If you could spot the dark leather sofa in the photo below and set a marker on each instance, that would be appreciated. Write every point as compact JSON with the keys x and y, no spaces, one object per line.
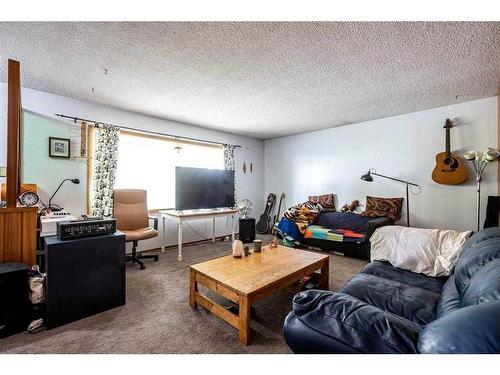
{"x":355,"y":247}
{"x":385,"y":309}
{"x":359,"y":248}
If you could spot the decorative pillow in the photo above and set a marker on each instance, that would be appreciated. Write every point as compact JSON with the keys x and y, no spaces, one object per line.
{"x":432,"y":252}
{"x":390,"y":207}
{"x":326,"y":201}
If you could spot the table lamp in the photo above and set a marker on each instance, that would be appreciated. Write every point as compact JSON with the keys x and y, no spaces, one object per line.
{"x":55,"y":207}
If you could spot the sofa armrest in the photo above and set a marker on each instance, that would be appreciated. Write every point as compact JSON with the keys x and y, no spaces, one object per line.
{"x":469,"y":330}
{"x":374,"y":224}
{"x":328,"y":322}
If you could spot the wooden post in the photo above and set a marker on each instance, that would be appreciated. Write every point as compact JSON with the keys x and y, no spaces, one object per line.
{"x":17,"y":224}
{"x":13,"y":132}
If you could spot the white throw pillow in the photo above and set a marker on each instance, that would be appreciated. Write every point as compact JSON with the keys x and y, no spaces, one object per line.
{"x":432,"y":252}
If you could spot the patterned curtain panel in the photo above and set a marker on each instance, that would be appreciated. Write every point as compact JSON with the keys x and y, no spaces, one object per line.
{"x":229,"y":157}
{"x":229,"y":165}
{"x":105,"y":162}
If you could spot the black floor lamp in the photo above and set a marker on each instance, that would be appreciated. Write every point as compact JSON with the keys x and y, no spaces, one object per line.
{"x":368,"y":178}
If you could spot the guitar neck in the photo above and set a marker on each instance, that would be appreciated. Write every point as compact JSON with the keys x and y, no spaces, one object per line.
{"x":448,"y":147}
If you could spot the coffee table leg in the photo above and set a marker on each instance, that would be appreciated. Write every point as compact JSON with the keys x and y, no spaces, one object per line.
{"x":244,"y":319}
{"x":324,"y":281}
{"x":193,"y":288}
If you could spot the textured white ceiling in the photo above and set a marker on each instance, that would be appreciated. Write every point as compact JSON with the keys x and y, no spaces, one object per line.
{"x":259,"y":79}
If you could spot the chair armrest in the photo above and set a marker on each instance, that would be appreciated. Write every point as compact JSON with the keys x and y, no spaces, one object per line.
{"x":329,"y":322}
{"x":374,"y":224}
{"x":155,"y":221}
{"x":469,"y":330}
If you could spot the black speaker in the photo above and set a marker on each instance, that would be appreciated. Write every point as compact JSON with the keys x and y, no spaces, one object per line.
{"x":14,"y":298}
{"x":247,"y":230}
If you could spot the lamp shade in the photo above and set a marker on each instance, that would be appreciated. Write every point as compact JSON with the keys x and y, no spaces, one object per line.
{"x":490,"y":155}
{"x":470,"y":155}
{"x":367,"y":177}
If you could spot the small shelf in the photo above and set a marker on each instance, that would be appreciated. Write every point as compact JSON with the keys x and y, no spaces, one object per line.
{"x":18,"y":209}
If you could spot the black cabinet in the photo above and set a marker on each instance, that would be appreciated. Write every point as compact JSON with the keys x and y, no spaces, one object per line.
{"x":84,"y":277}
{"x":14,"y":298}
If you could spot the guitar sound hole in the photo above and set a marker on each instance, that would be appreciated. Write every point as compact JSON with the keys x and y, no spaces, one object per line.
{"x":452,"y":163}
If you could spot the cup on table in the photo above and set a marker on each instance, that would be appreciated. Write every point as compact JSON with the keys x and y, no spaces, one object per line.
{"x":257,"y":246}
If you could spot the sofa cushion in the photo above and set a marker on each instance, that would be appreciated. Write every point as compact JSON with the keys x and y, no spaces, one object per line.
{"x":481,"y":236}
{"x":449,"y":300}
{"x":483,"y":286}
{"x":342,"y":220}
{"x":385,"y":270}
{"x":475,"y":256}
{"x":336,"y":322}
{"x":326,"y":201}
{"x":305,"y":338}
{"x":469,"y":330}
{"x":377,"y":206}
{"x":413,"y":303}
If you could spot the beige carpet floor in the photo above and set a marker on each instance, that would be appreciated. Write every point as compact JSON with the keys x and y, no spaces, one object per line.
{"x":157,"y":317}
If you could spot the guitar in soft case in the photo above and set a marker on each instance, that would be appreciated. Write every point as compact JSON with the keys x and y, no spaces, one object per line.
{"x":264,"y":223}
{"x":277,"y":216}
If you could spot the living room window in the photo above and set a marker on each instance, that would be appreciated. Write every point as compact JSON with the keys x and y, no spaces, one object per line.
{"x":148,"y":162}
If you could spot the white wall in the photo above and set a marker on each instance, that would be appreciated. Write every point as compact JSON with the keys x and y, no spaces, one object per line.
{"x":249,"y":185}
{"x":47,"y":172}
{"x":402,"y":146}
{"x":323,"y":161}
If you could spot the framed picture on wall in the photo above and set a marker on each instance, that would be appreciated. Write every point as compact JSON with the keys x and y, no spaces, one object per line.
{"x":59,"y":147}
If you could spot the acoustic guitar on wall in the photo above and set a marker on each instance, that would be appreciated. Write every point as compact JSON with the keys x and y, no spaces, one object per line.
{"x":449,"y":169}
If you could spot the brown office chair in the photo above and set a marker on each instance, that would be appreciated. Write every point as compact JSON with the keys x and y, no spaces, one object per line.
{"x":131,"y":213}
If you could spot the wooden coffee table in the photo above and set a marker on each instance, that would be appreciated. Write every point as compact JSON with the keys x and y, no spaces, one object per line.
{"x":247,"y":280}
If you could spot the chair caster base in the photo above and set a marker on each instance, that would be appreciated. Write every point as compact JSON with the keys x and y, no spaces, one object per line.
{"x":135,"y":260}
{"x":136,"y":257}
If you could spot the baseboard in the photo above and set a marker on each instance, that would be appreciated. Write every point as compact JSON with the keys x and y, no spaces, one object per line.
{"x":192,"y":243}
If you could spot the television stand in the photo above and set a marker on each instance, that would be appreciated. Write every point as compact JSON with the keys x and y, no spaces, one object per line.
{"x":190,"y":215}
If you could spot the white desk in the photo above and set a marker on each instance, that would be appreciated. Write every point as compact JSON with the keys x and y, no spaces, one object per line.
{"x":188,"y":215}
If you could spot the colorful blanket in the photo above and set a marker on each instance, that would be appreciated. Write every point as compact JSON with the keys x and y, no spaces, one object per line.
{"x":339,"y":235}
{"x":316,"y":231}
{"x":303,"y":214}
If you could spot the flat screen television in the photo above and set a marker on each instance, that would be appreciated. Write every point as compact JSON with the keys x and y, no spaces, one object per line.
{"x":197,"y":188}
